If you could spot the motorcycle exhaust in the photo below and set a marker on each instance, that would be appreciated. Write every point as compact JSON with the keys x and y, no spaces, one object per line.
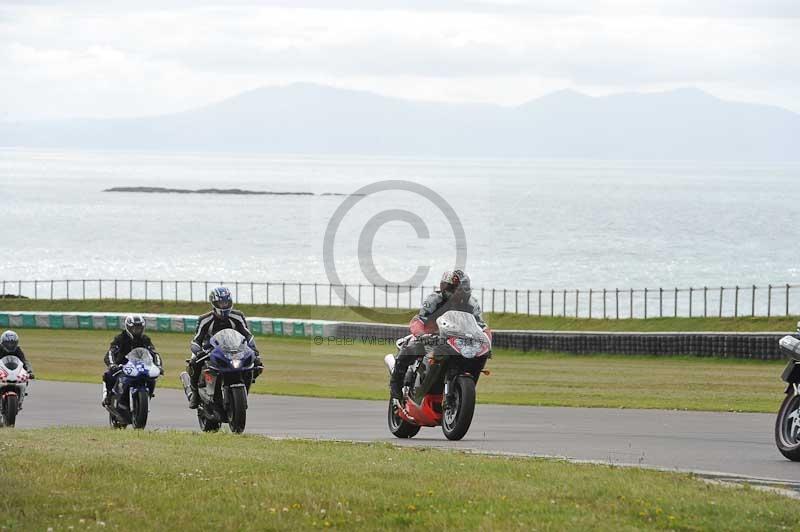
{"x":187,"y":387}
{"x":389,"y":360}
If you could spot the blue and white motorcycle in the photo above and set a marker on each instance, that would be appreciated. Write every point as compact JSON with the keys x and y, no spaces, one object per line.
{"x":130,"y":396}
{"x":225,"y":379}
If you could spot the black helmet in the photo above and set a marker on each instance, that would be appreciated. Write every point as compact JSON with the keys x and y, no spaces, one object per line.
{"x":134,"y":326}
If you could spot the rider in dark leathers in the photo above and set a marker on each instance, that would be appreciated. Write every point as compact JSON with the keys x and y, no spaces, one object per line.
{"x":454,"y":294}
{"x":221,"y":317}
{"x":9,"y":345}
{"x":132,"y":337}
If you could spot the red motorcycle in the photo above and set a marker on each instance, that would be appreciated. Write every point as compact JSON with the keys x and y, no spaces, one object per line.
{"x":439,"y":388}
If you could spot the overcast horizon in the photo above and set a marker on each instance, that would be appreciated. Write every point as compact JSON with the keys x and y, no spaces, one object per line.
{"x":110,"y":59}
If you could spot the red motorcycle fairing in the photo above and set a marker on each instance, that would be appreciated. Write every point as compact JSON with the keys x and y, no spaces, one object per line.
{"x":425,"y":414}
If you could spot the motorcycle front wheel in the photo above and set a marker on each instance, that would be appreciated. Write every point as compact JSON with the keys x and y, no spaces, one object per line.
{"x":10,"y":411}
{"x":787,"y":427}
{"x":457,"y":416}
{"x":237,"y":412}
{"x":140,"y":408}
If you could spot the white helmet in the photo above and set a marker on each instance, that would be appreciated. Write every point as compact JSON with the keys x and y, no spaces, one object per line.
{"x":9,"y":341}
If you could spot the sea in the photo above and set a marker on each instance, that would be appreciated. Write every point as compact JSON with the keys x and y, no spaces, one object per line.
{"x":513,"y":224}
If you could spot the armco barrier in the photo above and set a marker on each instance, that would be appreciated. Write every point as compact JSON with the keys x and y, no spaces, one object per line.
{"x":723,"y":345}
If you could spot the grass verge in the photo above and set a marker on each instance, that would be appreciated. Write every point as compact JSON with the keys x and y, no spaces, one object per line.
{"x":60,"y":479}
{"x":296,"y":366}
{"x":496,"y":320}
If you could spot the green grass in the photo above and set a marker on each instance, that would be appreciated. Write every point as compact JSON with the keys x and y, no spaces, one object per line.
{"x":65,"y":479}
{"x":296,"y":366}
{"x":495,"y":320}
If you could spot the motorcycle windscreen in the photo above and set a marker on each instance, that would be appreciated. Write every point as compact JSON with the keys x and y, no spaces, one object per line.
{"x":10,"y":362}
{"x":231,"y":343}
{"x":141,"y":355}
{"x":460,"y":324}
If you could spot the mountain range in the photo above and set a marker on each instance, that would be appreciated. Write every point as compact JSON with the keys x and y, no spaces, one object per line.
{"x":302,"y":118}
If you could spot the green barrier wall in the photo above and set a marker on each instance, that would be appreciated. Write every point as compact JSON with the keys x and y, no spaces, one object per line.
{"x":161,"y":323}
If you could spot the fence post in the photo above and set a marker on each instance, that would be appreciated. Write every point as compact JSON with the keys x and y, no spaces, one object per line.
{"x":409,"y":295}
{"x":300,"y":293}
{"x":617,"y":301}
{"x":605,"y":315}
{"x":83,"y":289}
{"x":769,"y":301}
{"x":540,"y":302}
{"x":675,"y":303}
{"x":576,"y":301}
{"x":516,"y":301}
{"x":51,"y":290}
{"x":552,"y":302}
{"x":645,"y":303}
{"x":145,"y":290}
{"x":705,"y":301}
{"x":130,"y":289}
{"x":691,"y":298}
{"x":266,"y":286}
{"x":344,"y":290}
{"x":283,"y":294}
{"x":720,"y":301}
{"x":176,"y":292}
{"x":358,"y":295}
{"x":397,"y":296}
{"x":590,"y":303}
{"x":4,"y":290}
{"x":660,"y":302}
{"x":492,"y":299}
{"x":316,"y":303}
{"x":161,"y":290}
{"x":504,"y":300}
{"x":420,"y":297}
{"x":736,"y":302}
{"x":35,"y":289}
{"x":66,"y":283}
{"x":386,"y":296}
{"x":99,"y":289}
{"x":630,"y":302}
{"x":787,"y":299}
{"x":529,"y":303}
{"x":564,"y":304}
{"x":753,"y":303}
{"x":252,"y":294}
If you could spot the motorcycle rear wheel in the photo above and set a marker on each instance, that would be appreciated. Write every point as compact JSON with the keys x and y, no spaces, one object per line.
{"x":140,"y":409}
{"x":787,"y":428}
{"x":457,"y":417}
{"x":398,"y":426}
{"x":237,"y":414}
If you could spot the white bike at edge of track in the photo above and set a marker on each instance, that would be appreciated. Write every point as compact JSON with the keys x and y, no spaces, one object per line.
{"x":14,"y":381}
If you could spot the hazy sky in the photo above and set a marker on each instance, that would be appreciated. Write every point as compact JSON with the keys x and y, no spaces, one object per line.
{"x":107,"y":58}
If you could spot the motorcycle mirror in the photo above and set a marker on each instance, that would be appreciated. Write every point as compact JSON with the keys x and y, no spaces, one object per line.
{"x":798,"y":327}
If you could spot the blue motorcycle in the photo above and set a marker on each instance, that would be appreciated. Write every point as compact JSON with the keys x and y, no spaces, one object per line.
{"x":135,"y":385}
{"x":225,"y":379}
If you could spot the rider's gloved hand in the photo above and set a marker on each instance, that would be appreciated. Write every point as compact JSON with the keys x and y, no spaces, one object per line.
{"x":31,"y":375}
{"x":113,"y":368}
{"x":160,"y":370}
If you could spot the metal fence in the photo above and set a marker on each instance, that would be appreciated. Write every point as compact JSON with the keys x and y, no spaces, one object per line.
{"x":721,"y":301}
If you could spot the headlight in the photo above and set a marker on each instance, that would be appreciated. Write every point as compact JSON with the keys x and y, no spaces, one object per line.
{"x":468,"y":348}
{"x":236,"y":363}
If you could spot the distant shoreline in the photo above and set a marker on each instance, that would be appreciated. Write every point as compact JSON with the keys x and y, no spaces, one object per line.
{"x":225,"y":191}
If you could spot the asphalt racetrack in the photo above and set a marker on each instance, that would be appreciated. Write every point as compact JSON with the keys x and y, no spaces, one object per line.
{"x":709,"y":442}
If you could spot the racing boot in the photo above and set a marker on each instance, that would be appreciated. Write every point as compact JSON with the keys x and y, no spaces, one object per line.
{"x":396,"y":384}
{"x":194,"y":399}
